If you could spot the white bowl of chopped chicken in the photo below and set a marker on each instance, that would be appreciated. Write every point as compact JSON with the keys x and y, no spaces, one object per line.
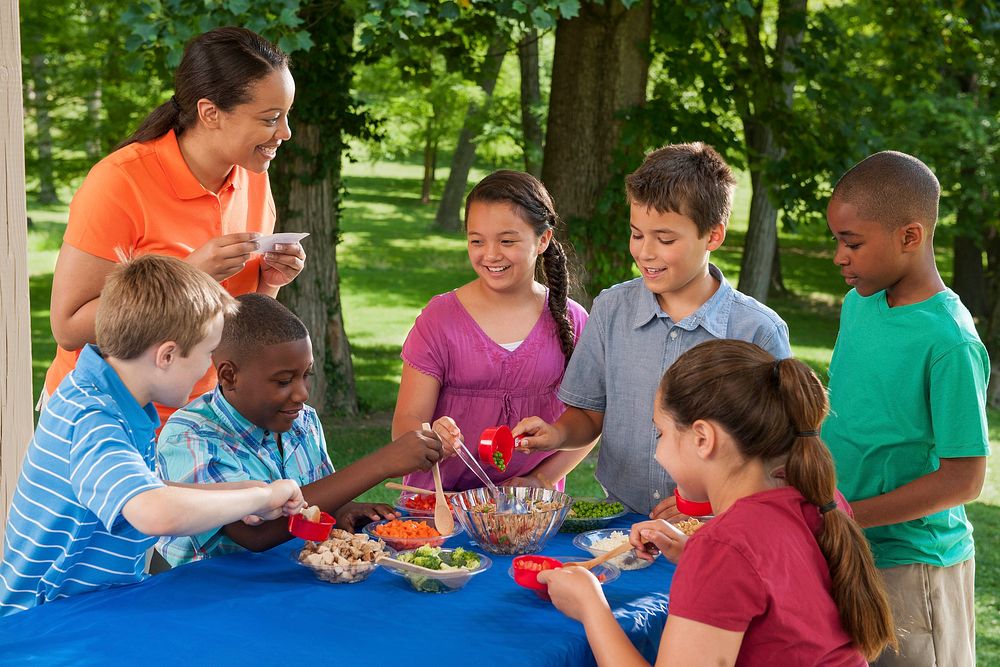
{"x":343,"y":558}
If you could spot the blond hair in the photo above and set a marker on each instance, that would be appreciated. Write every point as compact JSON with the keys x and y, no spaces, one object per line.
{"x":153,"y":299}
{"x":773,"y":409}
{"x":689,"y":179}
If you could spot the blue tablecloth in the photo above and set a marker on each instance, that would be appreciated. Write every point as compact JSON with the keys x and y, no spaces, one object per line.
{"x":253,"y":608}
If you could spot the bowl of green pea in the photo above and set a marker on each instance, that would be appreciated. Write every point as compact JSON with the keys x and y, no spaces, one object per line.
{"x":591,"y":514}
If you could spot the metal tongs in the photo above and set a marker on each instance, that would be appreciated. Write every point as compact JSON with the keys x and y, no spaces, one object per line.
{"x":504,"y":502}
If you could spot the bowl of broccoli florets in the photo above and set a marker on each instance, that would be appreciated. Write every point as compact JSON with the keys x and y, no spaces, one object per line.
{"x":443,"y":570}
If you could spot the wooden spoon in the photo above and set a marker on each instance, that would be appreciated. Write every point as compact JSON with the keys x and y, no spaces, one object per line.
{"x":415,"y":489}
{"x":443,"y":520}
{"x":594,"y":562}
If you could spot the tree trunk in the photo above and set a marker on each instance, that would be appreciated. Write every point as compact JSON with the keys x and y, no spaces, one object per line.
{"x":94,"y":151}
{"x":777,"y":280}
{"x":43,"y":125}
{"x":969,"y":278}
{"x":531,"y":100}
{"x":761,"y":244}
{"x":599,"y":69}
{"x":430,"y":160}
{"x":448,"y":216}
{"x":770,"y":104}
{"x":313,"y":207}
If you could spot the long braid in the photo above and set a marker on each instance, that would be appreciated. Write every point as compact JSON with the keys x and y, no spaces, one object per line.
{"x":557,"y":278}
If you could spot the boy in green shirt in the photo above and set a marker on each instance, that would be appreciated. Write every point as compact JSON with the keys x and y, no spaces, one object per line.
{"x":907,"y":424}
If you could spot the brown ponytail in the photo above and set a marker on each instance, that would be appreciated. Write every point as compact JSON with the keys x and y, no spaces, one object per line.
{"x":534,"y":205}
{"x":773,"y":410}
{"x":220,"y":65}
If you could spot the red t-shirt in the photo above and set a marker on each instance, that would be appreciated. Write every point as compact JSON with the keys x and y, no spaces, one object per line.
{"x":757,"y":569}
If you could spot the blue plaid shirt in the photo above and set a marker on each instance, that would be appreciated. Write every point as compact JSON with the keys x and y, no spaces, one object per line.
{"x":626,"y":347}
{"x":209,"y":441}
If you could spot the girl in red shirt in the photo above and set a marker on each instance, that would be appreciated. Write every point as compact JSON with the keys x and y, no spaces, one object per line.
{"x":781,"y":575}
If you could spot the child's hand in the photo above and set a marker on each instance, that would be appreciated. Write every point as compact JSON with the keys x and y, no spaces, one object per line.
{"x":668,"y":540}
{"x":449,"y":433}
{"x":534,"y":434}
{"x":414,"y":450}
{"x":575,"y":591}
{"x":666,"y":509}
{"x":353,"y":516}
{"x":287,"y":497}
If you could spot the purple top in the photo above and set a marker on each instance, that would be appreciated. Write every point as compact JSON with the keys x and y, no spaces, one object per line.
{"x":483,"y":384}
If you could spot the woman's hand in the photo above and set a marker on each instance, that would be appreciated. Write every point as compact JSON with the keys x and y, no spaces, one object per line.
{"x":575,"y":591}
{"x":664,"y":537}
{"x":282,"y":265}
{"x":224,"y":256}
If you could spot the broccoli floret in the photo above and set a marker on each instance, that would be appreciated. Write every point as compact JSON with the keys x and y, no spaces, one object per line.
{"x":465,"y":559}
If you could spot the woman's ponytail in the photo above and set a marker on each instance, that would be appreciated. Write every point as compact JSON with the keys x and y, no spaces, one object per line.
{"x":557,"y":278}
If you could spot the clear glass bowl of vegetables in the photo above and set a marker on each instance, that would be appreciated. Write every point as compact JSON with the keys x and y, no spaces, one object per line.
{"x":591,"y":514}
{"x":450,"y":569}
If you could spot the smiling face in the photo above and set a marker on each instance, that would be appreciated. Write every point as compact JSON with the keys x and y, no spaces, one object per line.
{"x":253,"y":131}
{"x":868,"y":254}
{"x":676,"y":452}
{"x":269,"y":386}
{"x":668,"y":251}
{"x":503,"y":248}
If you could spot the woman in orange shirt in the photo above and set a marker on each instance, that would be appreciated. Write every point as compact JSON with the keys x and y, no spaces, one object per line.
{"x":191,"y":182}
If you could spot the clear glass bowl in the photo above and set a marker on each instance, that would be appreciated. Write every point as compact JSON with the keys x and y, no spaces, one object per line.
{"x":404,"y":543}
{"x":444,"y":581}
{"x":605,"y":573}
{"x":574,"y":524}
{"x":626,"y":561}
{"x":402,"y":505}
{"x":508,"y":533}
{"x":343,"y":574}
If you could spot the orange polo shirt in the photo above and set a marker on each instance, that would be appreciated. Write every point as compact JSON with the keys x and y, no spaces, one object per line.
{"x":144,"y":199}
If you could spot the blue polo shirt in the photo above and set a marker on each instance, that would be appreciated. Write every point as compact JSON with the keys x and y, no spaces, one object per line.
{"x":93,"y":451}
{"x":208,"y":441}
{"x":626,"y":347}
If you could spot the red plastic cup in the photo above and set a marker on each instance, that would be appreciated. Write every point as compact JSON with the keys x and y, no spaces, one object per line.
{"x":496,"y":439}
{"x":317,"y":531}
{"x":691,"y":507}
{"x":528,"y":577}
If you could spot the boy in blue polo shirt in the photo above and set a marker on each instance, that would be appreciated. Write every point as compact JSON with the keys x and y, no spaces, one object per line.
{"x":88,"y":505}
{"x":680,"y":201}
{"x":256,"y":426}
{"x":907,"y":424}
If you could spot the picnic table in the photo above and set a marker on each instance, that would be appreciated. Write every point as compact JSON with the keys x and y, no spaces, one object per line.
{"x":260,"y":608}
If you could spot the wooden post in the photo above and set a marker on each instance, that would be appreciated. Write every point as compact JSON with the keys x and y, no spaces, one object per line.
{"x":15,"y":349}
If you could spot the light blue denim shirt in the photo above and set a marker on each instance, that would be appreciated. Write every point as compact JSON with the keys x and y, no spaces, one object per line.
{"x":627,"y":345}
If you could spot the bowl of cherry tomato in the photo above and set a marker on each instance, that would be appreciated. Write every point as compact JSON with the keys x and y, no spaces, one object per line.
{"x":418,"y":504}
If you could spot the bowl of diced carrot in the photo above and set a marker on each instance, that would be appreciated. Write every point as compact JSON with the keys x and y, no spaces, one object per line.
{"x":409,"y":532}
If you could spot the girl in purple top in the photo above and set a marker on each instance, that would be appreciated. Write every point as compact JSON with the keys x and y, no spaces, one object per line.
{"x":494,"y":350}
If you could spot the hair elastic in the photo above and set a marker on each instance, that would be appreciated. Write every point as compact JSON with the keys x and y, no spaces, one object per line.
{"x":175,"y":103}
{"x":829,"y":507}
{"x":807,"y":434}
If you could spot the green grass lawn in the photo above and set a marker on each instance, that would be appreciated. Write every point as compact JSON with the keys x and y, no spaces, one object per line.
{"x":391,"y":263}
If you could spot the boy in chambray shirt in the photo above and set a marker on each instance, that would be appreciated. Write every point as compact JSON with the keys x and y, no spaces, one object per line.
{"x":680,"y":201}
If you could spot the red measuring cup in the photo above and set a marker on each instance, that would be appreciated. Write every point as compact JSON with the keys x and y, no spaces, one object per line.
{"x":526,"y":569}
{"x":692,"y":507}
{"x":496,"y":439}
{"x":317,"y":531}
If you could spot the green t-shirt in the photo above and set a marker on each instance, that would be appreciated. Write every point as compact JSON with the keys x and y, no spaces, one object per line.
{"x":907,"y":388}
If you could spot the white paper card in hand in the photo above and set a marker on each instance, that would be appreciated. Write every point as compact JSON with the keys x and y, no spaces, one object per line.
{"x":267,"y":243}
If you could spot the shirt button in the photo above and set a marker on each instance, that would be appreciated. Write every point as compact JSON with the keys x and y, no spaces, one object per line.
{"x":656,"y":494}
{"x":673,"y":334}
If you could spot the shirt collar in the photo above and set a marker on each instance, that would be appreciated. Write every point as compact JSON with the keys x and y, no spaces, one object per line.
{"x":231,"y":417}
{"x":179,"y":175}
{"x":713,"y":315}
{"x":93,"y":365}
